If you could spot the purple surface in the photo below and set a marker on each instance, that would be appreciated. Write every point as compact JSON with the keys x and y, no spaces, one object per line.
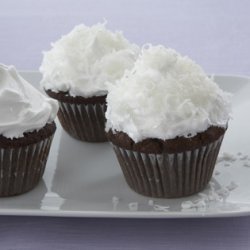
{"x":216,"y":34}
{"x":71,"y":233}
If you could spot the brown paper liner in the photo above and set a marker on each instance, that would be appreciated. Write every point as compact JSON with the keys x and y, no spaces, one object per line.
{"x":82,"y":118}
{"x":21,"y":168}
{"x":84,"y":122}
{"x":169,"y":175}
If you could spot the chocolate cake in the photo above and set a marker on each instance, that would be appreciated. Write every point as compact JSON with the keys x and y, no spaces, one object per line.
{"x":158,"y":146}
{"x":29,"y":137}
{"x":23,"y":160}
{"x":168,"y":169}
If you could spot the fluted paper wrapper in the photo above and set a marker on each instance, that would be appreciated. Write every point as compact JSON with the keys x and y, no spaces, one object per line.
{"x":22,"y":168}
{"x":84,"y":122}
{"x":169,"y":175}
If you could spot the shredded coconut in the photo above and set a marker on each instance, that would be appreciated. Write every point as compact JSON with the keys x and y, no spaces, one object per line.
{"x":187,"y":204}
{"x":197,"y":204}
{"x":161,"y":208}
{"x":84,"y":60}
{"x":216,"y":172}
{"x":133,"y":206}
{"x":150,"y":202}
{"x":244,"y":157}
{"x":115,"y":201}
{"x":246,"y":164}
{"x":231,"y":186}
{"x":223,"y":192}
{"x":226,"y":157}
{"x":165,"y":95}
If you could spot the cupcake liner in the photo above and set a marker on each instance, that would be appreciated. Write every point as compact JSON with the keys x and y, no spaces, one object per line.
{"x":21,"y":168}
{"x":84,"y":122}
{"x":169,"y":175}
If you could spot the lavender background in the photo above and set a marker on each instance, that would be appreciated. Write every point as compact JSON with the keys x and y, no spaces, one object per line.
{"x":215,"y":33}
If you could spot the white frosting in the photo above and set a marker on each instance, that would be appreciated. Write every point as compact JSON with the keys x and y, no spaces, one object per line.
{"x":165,"y":95}
{"x":22,"y":107}
{"x":82,"y":61}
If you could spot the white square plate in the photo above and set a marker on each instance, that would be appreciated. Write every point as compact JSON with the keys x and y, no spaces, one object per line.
{"x":85,"y":180}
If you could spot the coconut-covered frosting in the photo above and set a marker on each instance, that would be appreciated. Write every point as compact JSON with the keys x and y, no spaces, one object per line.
{"x":82,"y":61}
{"x":22,"y":107}
{"x":165,"y":95}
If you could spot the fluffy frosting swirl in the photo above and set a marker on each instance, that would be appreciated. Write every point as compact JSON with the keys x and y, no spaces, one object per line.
{"x":164,"y":96}
{"x":82,"y":61}
{"x":22,"y":107}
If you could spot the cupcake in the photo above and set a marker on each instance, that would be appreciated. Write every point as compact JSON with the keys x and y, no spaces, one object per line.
{"x":166,"y":121}
{"x":75,"y":72}
{"x":26,"y":132}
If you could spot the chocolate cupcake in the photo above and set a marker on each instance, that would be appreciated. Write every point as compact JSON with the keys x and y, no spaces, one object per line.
{"x":83,"y":118}
{"x":26,"y":133}
{"x":76,"y":72}
{"x":167,"y":128}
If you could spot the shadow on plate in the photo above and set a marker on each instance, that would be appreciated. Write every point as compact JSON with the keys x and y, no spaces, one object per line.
{"x":29,"y":200}
{"x":87,"y":174}
{"x":88,"y":177}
